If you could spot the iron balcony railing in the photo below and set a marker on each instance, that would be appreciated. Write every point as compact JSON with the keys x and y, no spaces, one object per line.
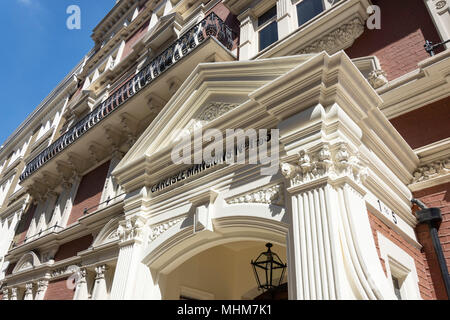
{"x":429,"y":46}
{"x":211,"y":26}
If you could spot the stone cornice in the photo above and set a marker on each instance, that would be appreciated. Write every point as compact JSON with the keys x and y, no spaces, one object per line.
{"x":425,"y":85}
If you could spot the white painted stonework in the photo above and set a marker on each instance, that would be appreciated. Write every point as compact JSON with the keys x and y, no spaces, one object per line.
{"x":333,"y":139}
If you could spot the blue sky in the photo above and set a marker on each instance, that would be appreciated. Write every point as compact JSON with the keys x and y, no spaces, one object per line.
{"x":38,"y":50}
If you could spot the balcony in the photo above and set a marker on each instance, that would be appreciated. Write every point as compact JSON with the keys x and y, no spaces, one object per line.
{"x":214,"y":38}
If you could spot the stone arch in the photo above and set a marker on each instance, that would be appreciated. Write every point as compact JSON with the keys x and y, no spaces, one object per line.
{"x":108,"y":233}
{"x":234,"y":223}
{"x":28,"y":261}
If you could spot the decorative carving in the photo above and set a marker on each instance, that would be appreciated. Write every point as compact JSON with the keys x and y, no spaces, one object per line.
{"x":216,"y":109}
{"x":339,"y":38}
{"x":64,"y":271}
{"x":5,"y":293}
{"x":42,"y":285}
{"x":159,"y":229}
{"x":100,"y":271}
{"x":130,"y":229}
{"x":432,"y":170}
{"x":377,"y":79}
{"x":29,"y":289}
{"x":324,"y":162}
{"x":267,"y":195}
{"x":13,"y":294}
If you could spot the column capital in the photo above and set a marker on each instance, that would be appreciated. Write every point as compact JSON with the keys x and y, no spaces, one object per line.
{"x":324,"y":163}
{"x":5,"y":292}
{"x":14,"y":293}
{"x":131,"y":230}
{"x":100,"y":271}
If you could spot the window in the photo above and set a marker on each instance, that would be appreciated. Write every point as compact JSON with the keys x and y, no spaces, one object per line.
{"x":268,"y":28}
{"x":308,"y":9}
{"x":397,"y":287}
{"x":400,"y":270}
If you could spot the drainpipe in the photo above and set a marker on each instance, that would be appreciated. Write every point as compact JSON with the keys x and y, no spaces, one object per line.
{"x":433,"y":217}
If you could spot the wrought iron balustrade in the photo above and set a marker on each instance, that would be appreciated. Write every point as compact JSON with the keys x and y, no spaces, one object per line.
{"x":210,"y":26}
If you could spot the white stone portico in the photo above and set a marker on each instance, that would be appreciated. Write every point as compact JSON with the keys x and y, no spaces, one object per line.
{"x":339,"y":155}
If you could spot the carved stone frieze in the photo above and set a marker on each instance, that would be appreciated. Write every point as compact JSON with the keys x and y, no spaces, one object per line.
{"x":157,"y":230}
{"x":64,"y":271}
{"x":432,"y":170}
{"x":214,"y":110}
{"x":267,"y":195}
{"x":327,"y":161}
{"x":337,"y":39}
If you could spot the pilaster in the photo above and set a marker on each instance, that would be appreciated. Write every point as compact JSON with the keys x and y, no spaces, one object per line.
{"x":81,"y":290}
{"x":131,"y":233}
{"x":100,"y":291}
{"x":41,"y":289}
{"x":247,"y":43}
{"x":28,"y":291}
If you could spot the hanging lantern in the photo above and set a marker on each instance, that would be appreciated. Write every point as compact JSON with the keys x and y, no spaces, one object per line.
{"x":269,"y":269}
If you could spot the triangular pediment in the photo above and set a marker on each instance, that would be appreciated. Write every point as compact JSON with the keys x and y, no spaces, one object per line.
{"x":213,"y":91}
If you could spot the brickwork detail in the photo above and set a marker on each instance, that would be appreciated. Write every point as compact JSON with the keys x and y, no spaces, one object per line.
{"x":398,"y":46}
{"x":423,"y":272}
{"x":57,"y":290}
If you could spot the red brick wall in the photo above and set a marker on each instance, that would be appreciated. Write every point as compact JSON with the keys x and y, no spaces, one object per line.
{"x":405,"y":25}
{"x":71,"y":249}
{"x":24,"y":224}
{"x":89,"y":192}
{"x":425,"y":125}
{"x":57,"y":290}
{"x":439,"y":197}
{"x":133,"y":39}
{"x":425,"y":285}
{"x":229,"y":19}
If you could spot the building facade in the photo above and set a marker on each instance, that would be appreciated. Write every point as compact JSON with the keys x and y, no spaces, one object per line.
{"x":342,"y":92}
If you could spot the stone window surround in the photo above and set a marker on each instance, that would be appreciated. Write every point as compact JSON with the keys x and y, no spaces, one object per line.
{"x":439,"y":11}
{"x":400,"y":265}
{"x":287,"y":22}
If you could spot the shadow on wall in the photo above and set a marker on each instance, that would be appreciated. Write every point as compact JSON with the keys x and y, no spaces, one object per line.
{"x":399,"y":44}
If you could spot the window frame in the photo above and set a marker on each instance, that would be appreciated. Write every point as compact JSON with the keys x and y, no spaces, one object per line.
{"x":264,"y":25}
{"x":400,"y":265}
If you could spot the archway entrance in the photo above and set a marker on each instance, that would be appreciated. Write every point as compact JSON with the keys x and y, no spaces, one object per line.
{"x":222,"y":272}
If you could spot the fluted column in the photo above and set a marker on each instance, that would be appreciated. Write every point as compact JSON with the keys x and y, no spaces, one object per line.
{"x":131,"y":235}
{"x":100,"y":291}
{"x":81,"y":290}
{"x":332,"y":253}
